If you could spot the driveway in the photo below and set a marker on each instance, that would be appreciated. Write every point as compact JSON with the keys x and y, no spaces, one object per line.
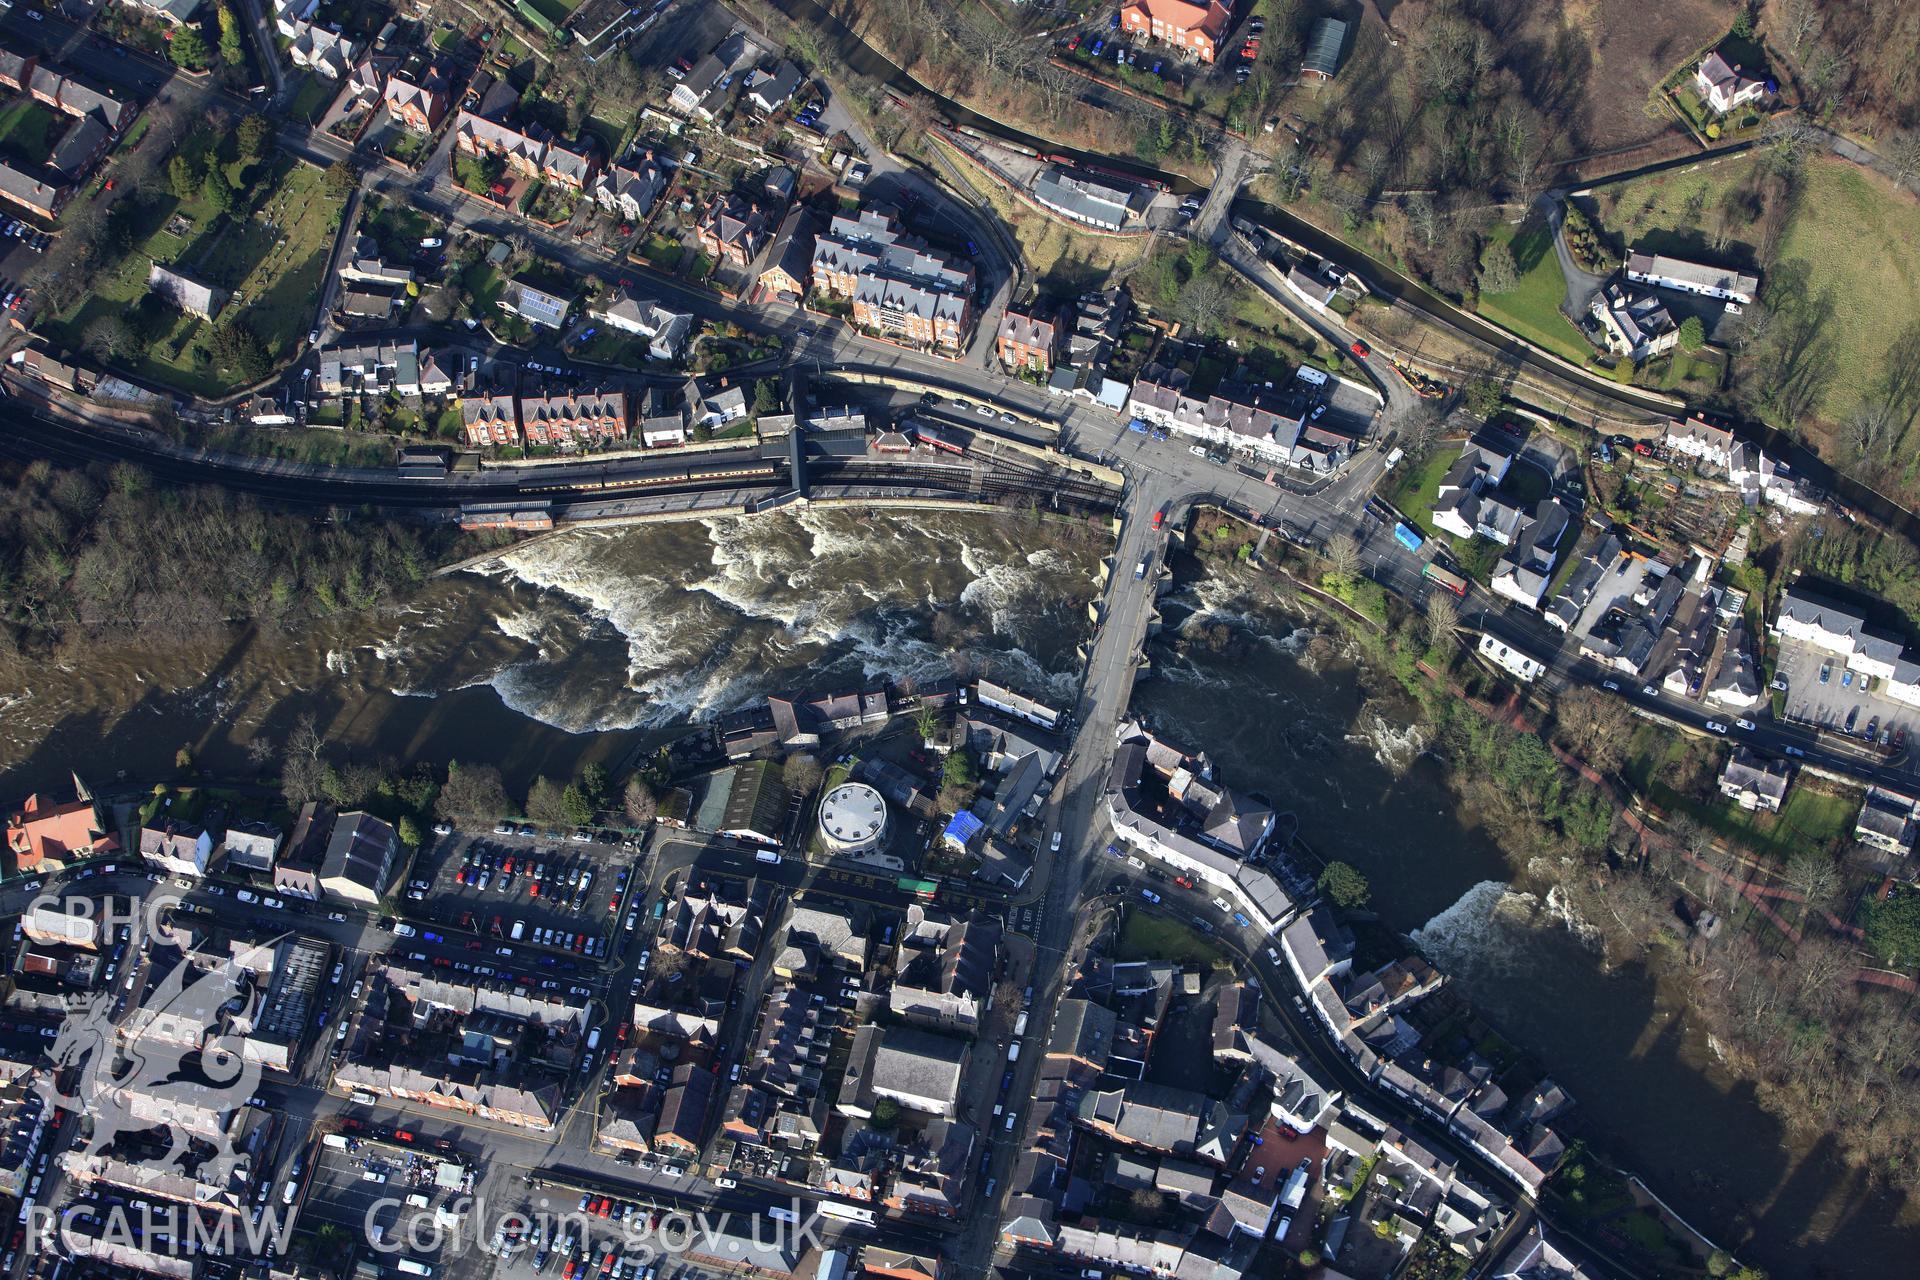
{"x":1581,"y":284}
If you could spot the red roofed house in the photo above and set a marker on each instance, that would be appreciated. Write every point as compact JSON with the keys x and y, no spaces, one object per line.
{"x":1026,"y":341}
{"x":1194,"y":29}
{"x":45,"y":837}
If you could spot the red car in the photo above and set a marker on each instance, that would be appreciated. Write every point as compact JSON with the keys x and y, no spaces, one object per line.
{"x":533,"y":889}
{"x":1183,"y":882}
{"x":1159,"y":518}
{"x":1360,"y":349}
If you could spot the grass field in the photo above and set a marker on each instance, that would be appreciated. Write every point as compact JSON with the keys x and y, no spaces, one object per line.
{"x":1857,"y":240}
{"x":1065,"y":260}
{"x":1153,"y":937}
{"x":1533,"y":309}
{"x":273,"y":274}
{"x":28,"y":131}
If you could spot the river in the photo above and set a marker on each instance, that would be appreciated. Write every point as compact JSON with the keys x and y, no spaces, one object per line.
{"x":564,"y":650}
{"x":1293,"y":717}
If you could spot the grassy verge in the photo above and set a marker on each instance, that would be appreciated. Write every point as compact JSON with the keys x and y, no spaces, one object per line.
{"x":27,"y":130}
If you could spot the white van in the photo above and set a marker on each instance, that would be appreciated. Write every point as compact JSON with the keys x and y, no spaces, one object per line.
{"x":593,"y":1039}
{"x":767,"y":856}
{"x":519,"y":930}
{"x":1013,"y":1052}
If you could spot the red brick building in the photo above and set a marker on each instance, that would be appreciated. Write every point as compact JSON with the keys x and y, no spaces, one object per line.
{"x":1027,"y":340}
{"x":1194,"y":29}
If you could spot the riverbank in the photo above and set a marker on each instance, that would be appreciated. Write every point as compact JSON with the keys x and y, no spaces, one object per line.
{"x":1320,"y":717}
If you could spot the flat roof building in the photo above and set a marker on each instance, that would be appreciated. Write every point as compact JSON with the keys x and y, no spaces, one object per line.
{"x":853,"y":819}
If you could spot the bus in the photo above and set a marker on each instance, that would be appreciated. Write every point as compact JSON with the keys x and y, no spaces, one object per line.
{"x":921,"y":889}
{"x":846,"y":1212}
{"x":1406,"y":537}
{"x":1445,"y":578}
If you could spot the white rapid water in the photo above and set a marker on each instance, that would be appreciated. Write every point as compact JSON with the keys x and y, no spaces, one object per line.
{"x":648,"y":627}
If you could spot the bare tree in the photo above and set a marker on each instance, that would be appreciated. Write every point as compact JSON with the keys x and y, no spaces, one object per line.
{"x":1799,"y":22}
{"x":802,"y":773}
{"x":638,"y":802}
{"x":1868,"y":431}
{"x":1424,"y":217}
{"x":1443,"y":617}
{"x":1203,"y":301}
{"x":1343,"y":556}
{"x":1350,"y":201}
{"x":301,"y":768}
{"x":1422,"y":429}
{"x":1595,"y":727}
{"x":1814,"y":875}
{"x":1374,"y":164}
{"x":108,"y":336}
{"x":1903,"y":155}
{"x":1791,"y":136}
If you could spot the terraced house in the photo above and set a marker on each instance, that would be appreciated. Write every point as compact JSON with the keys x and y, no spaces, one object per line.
{"x":532,"y":153}
{"x":490,"y":420}
{"x":574,"y":420}
{"x":912,"y":314}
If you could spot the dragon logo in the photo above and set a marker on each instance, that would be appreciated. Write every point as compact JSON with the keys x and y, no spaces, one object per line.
{"x":168,"y":1066}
